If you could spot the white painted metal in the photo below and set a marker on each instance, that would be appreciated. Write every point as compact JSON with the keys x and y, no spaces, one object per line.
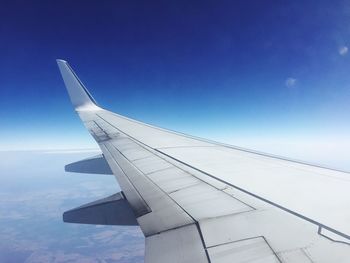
{"x":173,"y":179}
{"x":151,"y":164}
{"x":320,"y":194}
{"x":248,"y":250}
{"x":180,"y":245}
{"x":193,"y":196}
{"x":295,"y":256}
{"x":203,"y":201}
{"x":164,"y":213}
{"x":284,"y":232}
{"x":151,"y":136}
{"x":79,"y":96}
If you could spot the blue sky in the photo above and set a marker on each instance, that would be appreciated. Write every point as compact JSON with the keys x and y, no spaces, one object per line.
{"x":266,"y":74}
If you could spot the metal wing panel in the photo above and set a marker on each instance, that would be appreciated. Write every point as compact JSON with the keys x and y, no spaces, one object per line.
{"x":226,"y":218}
{"x":152,"y":136}
{"x":199,"y":201}
{"x":247,"y":250}
{"x":163,"y":213}
{"x":152,"y":175}
{"x":322,"y":194}
{"x":320,"y":190}
{"x":174,"y":246}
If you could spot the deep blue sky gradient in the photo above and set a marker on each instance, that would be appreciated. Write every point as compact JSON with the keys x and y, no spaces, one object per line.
{"x":216,"y":69}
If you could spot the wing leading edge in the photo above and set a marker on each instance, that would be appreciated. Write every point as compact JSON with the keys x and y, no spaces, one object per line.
{"x":201,"y":201}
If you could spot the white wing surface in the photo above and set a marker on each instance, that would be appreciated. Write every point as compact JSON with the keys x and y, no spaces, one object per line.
{"x":201,"y":201}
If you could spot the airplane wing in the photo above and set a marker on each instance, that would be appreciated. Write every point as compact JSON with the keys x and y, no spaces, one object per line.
{"x":201,"y":201}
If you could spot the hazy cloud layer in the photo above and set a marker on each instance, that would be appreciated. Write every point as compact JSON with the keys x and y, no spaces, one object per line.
{"x":35,"y":191}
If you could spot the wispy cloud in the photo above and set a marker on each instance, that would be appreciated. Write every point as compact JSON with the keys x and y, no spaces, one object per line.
{"x":63,"y":151}
{"x":343,"y":50}
{"x":290,"y":82}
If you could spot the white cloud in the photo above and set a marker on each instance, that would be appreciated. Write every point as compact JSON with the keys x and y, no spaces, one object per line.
{"x":343,"y":50}
{"x":291,"y":82}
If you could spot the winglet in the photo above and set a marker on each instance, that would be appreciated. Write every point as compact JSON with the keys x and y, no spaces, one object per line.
{"x":79,"y":95}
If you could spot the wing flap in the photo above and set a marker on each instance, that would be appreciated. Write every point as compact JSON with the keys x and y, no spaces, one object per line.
{"x":93,"y":165}
{"x":193,"y":197}
{"x":113,"y":210}
{"x":179,"y":245}
{"x":241,"y":251}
